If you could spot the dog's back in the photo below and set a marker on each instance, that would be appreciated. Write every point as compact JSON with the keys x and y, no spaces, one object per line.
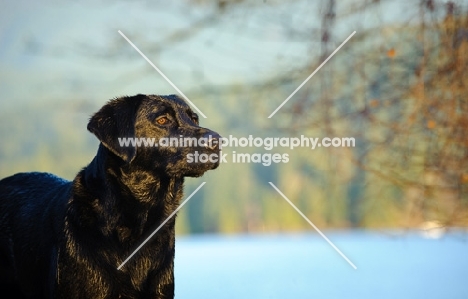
{"x":29,"y":200}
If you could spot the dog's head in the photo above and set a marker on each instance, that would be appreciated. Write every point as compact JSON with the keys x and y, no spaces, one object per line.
{"x":156,"y":132}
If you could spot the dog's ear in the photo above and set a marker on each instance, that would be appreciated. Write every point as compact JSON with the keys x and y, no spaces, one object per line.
{"x":116,"y":120}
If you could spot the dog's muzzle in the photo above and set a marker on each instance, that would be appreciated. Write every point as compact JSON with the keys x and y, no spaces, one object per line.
{"x":213,"y":141}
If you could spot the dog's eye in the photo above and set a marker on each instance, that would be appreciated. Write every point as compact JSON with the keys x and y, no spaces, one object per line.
{"x":162,"y":120}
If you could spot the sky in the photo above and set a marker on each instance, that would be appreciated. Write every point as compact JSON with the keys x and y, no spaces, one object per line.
{"x":61,"y":49}
{"x":69,"y":50}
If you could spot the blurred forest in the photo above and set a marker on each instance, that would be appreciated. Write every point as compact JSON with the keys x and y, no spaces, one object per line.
{"x":399,"y":87}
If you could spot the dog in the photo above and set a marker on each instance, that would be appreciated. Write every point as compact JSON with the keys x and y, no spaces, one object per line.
{"x":62,"y":239}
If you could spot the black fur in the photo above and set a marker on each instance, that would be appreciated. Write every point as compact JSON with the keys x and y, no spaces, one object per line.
{"x":61,"y":239}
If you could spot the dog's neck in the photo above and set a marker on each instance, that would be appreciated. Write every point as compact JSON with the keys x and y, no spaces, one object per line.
{"x":145,"y":199}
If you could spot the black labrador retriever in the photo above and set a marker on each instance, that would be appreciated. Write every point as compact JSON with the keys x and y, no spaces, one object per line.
{"x":61,"y":239}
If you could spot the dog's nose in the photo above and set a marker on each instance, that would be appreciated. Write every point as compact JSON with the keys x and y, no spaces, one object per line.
{"x":213,"y":140}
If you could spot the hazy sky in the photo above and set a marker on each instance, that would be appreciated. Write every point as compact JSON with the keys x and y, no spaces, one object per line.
{"x":56,"y":50}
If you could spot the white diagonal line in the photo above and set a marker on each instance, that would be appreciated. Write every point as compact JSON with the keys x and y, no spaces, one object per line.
{"x":161,"y":225}
{"x":313,"y":225}
{"x":305,"y":81}
{"x":161,"y":73}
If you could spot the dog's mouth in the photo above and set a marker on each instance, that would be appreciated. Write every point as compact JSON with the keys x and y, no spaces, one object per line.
{"x":189,"y":158}
{"x":204,"y":157}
